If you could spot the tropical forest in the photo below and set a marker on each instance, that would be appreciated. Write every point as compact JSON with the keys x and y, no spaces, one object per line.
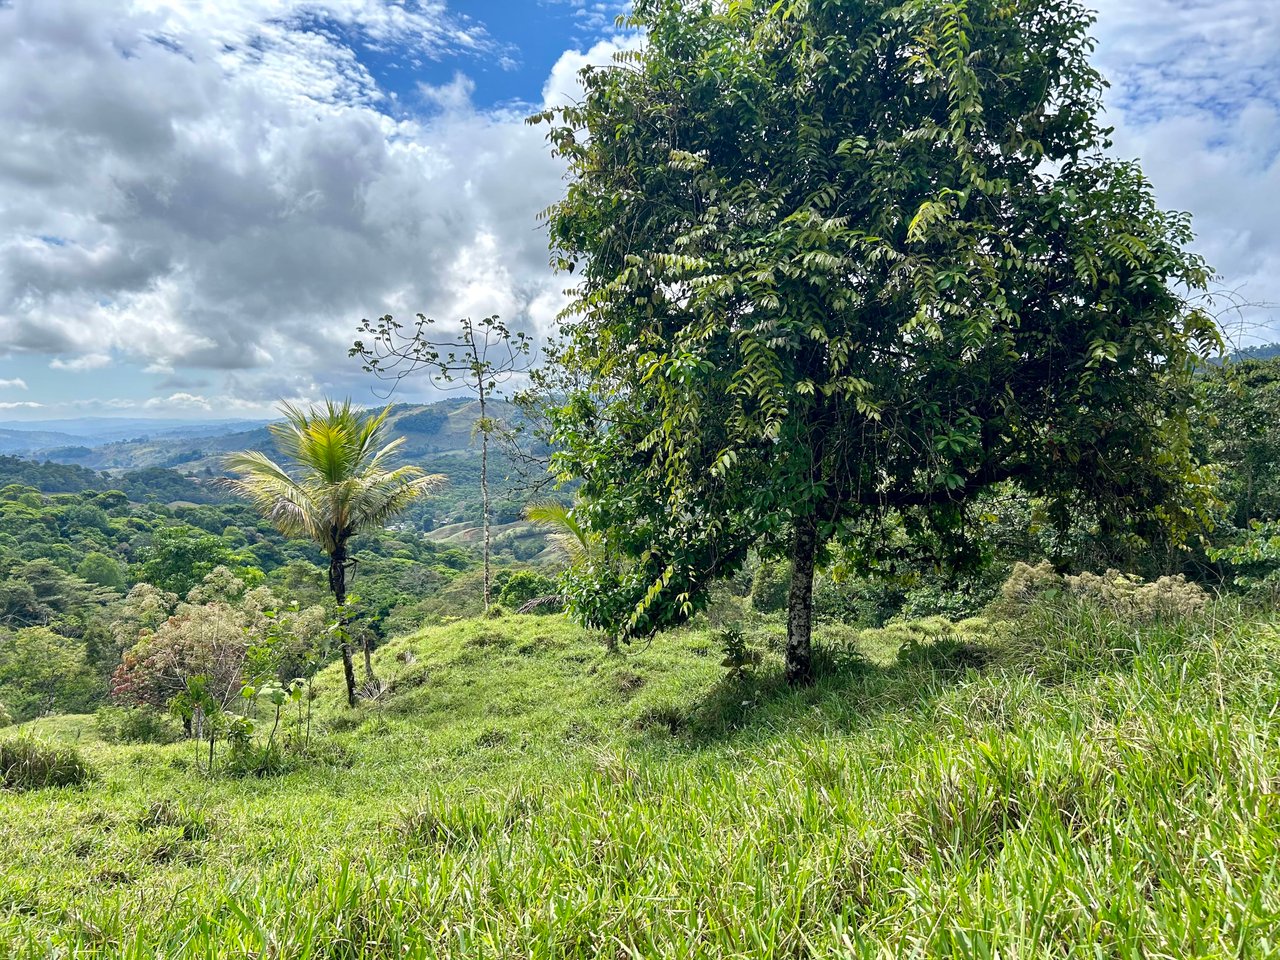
{"x":792,"y":485}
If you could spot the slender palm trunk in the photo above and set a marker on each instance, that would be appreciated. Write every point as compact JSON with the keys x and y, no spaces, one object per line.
{"x":799,"y":652}
{"x":338,"y":584}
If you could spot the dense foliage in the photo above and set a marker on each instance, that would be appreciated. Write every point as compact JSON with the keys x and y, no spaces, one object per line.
{"x":847,"y":266}
{"x":147,"y":484}
{"x":72,"y":566}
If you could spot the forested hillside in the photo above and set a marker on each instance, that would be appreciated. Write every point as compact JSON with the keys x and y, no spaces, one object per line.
{"x":75,"y":566}
{"x":76,"y":544}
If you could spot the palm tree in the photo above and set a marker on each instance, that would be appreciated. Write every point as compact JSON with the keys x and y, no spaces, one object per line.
{"x":566,"y":531}
{"x":342,"y":480}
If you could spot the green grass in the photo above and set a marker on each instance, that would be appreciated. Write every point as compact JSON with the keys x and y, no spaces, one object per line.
{"x":1095,"y":790}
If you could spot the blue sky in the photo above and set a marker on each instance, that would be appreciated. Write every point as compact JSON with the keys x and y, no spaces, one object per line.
{"x":203,"y":199}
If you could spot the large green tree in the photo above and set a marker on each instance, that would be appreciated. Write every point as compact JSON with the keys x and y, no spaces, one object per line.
{"x":1239,"y":430}
{"x":341,"y":480}
{"x":847,"y":262}
{"x":179,"y":557}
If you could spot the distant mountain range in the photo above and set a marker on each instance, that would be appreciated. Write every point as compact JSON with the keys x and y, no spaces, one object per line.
{"x":37,"y":437}
{"x":1265,"y":351}
{"x":198,"y":446}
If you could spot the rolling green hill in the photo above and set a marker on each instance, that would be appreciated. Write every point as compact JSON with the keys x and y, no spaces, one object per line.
{"x":440,"y":437}
{"x":1068,"y":784}
{"x":445,"y":427}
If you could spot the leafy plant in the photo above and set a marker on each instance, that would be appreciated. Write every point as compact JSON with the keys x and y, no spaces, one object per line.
{"x":276,"y":696}
{"x":739,"y":658}
{"x":848,"y":265}
{"x":201,"y":712}
{"x":42,"y":671}
{"x":140,"y":724}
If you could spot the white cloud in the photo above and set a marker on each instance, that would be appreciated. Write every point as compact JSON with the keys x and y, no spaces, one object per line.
{"x":563,"y":85}
{"x":1196,"y":96}
{"x":87,"y":361}
{"x":222,"y":185}
{"x":15,"y":384}
{"x":594,"y":17}
{"x":178,"y":401}
{"x":21,"y":405}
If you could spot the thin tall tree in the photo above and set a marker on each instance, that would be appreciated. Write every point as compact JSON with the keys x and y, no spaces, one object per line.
{"x":484,"y":356}
{"x":342,"y":479}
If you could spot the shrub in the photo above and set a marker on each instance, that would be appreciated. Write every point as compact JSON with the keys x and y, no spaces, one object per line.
{"x":769,"y":587}
{"x":6,"y":718}
{"x":249,"y":758}
{"x":739,"y":658}
{"x":254,"y":758}
{"x":136,"y":725}
{"x":949,"y":653}
{"x":29,"y":764}
{"x":1129,"y":595}
{"x":522,"y":586}
{"x":42,"y":672}
{"x":1124,"y":594}
{"x":1026,"y":583}
{"x":863,"y":601}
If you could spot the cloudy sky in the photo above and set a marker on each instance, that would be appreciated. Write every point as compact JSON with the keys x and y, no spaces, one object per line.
{"x":200,"y":199}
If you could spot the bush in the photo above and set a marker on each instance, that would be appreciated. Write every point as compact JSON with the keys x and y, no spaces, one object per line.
{"x":256,"y":759}
{"x":769,"y":587}
{"x":6,"y":718}
{"x":862,"y":601}
{"x":253,"y":758}
{"x":739,"y":658}
{"x":521,"y":586}
{"x":29,"y":764}
{"x":1123,"y":594}
{"x":136,"y":725}
{"x":44,"y":672}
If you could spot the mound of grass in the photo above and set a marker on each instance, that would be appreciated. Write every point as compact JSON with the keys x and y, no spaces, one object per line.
{"x":1069,"y":785}
{"x":30,"y":764}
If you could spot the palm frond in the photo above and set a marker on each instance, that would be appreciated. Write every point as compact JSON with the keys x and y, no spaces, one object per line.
{"x":289,"y":505}
{"x":567,"y":532}
{"x":342,"y":478}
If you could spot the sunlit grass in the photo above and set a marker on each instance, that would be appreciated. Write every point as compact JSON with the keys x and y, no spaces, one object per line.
{"x":1097,"y":789}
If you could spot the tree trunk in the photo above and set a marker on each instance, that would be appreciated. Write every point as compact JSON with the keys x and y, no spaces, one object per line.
{"x":799,"y":654}
{"x":338,"y":584}
{"x":484,"y":492}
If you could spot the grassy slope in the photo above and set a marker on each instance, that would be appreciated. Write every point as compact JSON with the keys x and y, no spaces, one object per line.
{"x":1097,"y":791}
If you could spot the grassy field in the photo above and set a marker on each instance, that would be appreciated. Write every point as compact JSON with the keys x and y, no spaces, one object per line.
{"x":1068,"y":785}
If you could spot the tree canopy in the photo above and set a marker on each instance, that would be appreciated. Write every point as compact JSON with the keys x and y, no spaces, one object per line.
{"x":843,"y":262}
